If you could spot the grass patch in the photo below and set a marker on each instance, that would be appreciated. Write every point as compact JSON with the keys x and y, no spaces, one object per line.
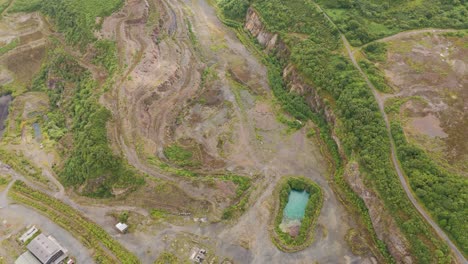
{"x":180,"y":156}
{"x":10,"y":46}
{"x":22,"y":165}
{"x":167,"y":258}
{"x":376,"y":77}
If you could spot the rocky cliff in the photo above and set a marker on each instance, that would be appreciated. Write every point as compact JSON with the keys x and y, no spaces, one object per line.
{"x":383,"y":223}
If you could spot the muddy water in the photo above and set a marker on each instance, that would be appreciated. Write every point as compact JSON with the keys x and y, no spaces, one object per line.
{"x":428,"y":125}
{"x":4,"y":104}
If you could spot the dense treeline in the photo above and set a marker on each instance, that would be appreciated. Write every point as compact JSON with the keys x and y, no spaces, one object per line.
{"x":74,"y":108}
{"x":365,"y":20}
{"x":362,"y":129}
{"x":76,"y":19}
{"x":443,"y":193}
{"x":306,"y":232}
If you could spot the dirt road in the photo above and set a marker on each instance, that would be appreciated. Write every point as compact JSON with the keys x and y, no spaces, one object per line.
{"x":396,"y":164}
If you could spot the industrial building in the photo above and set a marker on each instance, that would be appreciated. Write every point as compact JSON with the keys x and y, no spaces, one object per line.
{"x":43,"y":250}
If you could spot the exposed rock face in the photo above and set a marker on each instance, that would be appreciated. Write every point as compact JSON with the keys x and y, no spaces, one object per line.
{"x":383,"y":223}
{"x":255,"y":26}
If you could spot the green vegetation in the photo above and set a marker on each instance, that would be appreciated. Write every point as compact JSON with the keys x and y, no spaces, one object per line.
{"x":25,"y":6}
{"x":180,"y":156}
{"x":74,"y":108}
{"x":106,"y":55}
{"x":242,"y":196}
{"x":443,"y":193}
{"x":376,"y":51}
{"x":242,"y":183}
{"x":91,"y":235}
{"x":376,"y":77}
{"x":4,"y":4}
{"x":283,"y":240}
{"x":158,"y":213}
{"x":361,"y":127}
{"x":234,"y":9}
{"x":22,"y":165}
{"x":4,"y":180}
{"x":365,"y":20}
{"x":123,"y":217}
{"x":167,"y":258}
{"x":33,"y":237}
{"x":76,"y":19}
{"x":6,"y":48}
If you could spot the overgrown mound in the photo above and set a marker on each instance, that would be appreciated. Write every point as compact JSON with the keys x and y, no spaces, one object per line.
{"x":78,"y":123}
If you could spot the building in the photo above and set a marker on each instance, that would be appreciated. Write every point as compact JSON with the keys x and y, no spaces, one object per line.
{"x":27,"y":258}
{"x":30,"y":233}
{"x":122,"y":227}
{"x":43,"y":250}
{"x":198,"y":255}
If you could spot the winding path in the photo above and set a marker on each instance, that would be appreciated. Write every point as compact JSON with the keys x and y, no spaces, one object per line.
{"x":396,"y":164}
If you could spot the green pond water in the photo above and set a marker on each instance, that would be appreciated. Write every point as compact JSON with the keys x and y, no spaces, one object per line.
{"x":297,"y":202}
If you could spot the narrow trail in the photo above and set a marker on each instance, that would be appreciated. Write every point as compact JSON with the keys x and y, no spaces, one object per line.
{"x":412,"y":33}
{"x":395,"y":161}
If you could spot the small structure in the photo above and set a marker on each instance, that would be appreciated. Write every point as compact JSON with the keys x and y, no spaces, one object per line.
{"x":122,"y":227}
{"x":198,"y":255}
{"x":30,"y":233}
{"x":46,"y":250}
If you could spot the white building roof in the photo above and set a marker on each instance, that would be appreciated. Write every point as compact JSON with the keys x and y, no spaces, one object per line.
{"x":122,"y":227}
{"x":33,"y":230}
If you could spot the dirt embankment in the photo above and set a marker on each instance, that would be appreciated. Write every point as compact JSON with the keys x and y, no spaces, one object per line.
{"x":383,"y":223}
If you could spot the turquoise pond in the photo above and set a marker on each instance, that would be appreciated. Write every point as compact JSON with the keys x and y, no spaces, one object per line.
{"x":297,"y":203}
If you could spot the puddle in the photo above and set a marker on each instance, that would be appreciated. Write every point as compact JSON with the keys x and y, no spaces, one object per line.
{"x":37,"y":132}
{"x":428,"y":125}
{"x":4,"y":103}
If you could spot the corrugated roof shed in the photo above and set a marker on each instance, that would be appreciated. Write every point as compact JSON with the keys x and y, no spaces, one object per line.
{"x":27,"y":258}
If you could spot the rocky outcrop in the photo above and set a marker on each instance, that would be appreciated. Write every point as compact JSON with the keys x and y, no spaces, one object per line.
{"x":384,"y":225}
{"x":256,"y":27}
